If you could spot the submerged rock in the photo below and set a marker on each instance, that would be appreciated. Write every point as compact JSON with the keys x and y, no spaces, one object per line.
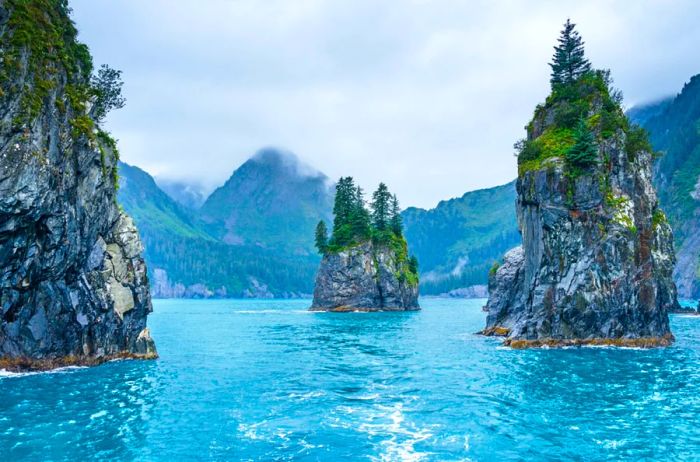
{"x":73,"y":285}
{"x":365,"y":277}
{"x":597,"y":257}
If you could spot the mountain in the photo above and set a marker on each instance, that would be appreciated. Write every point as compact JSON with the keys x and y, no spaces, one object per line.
{"x":190,"y":196}
{"x":186,"y":261}
{"x":675,"y":132}
{"x":254,"y":234}
{"x":458,"y":241}
{"x":154,"y":211}
{"x":644,"y":112}
{"x":273,"y":201}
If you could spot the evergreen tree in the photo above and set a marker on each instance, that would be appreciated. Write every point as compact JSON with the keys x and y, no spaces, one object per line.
{"x":395,"y":222}
{"x":353,"y":223}
{"x":569,"y":62}
{"x":584,"y":152}
{"x":381,"y":207}
{"x":107,"y":88}
{"x":413,"y":264}
{"x":360,"y":219}
{"x":343,"y":209}
{"x":321,"y":237}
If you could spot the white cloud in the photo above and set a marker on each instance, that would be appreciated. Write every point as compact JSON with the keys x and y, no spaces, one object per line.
{"x":428,"y":96}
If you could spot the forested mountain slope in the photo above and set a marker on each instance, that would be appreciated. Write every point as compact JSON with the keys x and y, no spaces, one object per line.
{"x":675,"y":132}
{"x":186,"y":261}
{"x":458,"y":241}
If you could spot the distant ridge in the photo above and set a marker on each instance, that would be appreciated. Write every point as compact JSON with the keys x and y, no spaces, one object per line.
{"x":253,"y":235}
{"x":273,"y":201}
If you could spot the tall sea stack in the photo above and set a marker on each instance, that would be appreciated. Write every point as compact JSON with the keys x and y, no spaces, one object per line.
{"x":73,"y":286}
{"x":365,"y":265}
{"x":596,"y":262}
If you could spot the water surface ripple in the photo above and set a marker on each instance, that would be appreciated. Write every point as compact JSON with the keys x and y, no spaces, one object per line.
{"x":267,"y":380}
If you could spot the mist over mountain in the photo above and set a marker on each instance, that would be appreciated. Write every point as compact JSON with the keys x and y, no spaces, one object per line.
{"x":189,"y":195}
{"x":642,"y":113}
{"x":184,"y":260}
{"x":273,"y":201}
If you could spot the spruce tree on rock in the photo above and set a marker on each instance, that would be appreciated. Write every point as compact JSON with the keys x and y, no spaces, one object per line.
{"x":395,"y":221}
{"x":381,"y":207}
{"x":343,"y":209}
{"x":360,"y":219}
{"x":321,"y":237}
{"x":413,"y":264}
{"x":584,"y":152}
{"x":569,"y":62}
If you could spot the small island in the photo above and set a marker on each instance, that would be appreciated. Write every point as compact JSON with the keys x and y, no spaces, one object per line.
{"x":366,"y":265}
{"x":596,"y":263}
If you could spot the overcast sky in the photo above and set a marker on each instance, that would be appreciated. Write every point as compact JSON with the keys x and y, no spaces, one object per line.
{"x":427,"y":96}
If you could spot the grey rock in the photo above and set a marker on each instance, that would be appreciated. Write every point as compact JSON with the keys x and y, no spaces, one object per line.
{"x":97,"y":254}
{"x":365,"y":277}
{"x":592,"y":269}
{"x":257,"y":290}
{"x":73,"y":284}
{"x":162,"y":287}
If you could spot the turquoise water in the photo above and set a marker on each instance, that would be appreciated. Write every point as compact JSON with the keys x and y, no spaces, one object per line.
{"x":267,"y":380}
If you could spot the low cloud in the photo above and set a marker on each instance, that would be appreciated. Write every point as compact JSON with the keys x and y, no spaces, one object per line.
{"x":426,"y":96}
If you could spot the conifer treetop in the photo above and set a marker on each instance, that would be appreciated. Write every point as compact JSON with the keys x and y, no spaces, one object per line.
{"x":569,"y":61}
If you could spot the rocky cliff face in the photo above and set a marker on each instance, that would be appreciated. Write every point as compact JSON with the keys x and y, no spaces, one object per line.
{"x":73,"y":286}
{"x":365,"y":278}
{"x":597,"y":257}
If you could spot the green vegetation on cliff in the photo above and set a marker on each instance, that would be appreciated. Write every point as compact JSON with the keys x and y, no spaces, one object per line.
{"x":582,"y":110}
{"x":44,"y":63}
{"x":354,"y":224}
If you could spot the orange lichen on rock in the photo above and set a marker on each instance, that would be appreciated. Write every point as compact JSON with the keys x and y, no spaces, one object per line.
{"x":496,"y":331}
{"x":640,"y":342}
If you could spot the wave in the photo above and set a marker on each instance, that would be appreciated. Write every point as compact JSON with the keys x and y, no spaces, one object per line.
{"x":4,"y":373}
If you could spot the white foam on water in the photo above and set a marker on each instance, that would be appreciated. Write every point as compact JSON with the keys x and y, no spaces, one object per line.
{"x":250,"y":430}
{"x":366,"y":397}
{"x":402,"y":437}
{"x":611,"y":444}
{"x":306,"y":396}
{"x":60,"y":370}
{"x":99,"y":414}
